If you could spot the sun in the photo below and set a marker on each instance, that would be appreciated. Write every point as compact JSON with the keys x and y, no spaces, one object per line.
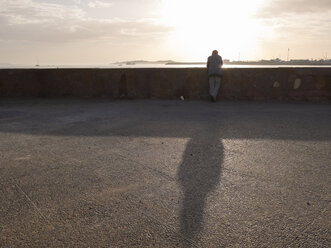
{"x":203,"y":25}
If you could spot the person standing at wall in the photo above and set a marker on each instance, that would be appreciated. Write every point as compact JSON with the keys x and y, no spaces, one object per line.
{"x":214,"y":65}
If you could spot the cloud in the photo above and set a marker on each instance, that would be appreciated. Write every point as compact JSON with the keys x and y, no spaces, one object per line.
{"x":298,"y":20}
{"x":276,"y":8}
{"x":99,"y":4}
{"x":25,"y":20}
{"x":26,"y":11}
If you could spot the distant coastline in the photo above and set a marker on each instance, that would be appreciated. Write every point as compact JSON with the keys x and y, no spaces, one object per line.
{"x":181,"y":64}
{"x":228,"y":62}
{"x":281,"y":62}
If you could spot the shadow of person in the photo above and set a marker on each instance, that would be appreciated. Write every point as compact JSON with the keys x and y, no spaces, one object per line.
{"x":198,"y":175}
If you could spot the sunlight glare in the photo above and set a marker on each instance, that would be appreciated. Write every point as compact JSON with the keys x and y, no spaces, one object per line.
{"x":203,"y":25}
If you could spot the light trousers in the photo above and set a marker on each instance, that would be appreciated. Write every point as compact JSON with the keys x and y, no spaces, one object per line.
{"x":214,"y":85}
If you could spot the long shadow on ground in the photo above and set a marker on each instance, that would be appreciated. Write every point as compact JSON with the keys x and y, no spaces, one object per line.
{"x":204,"y":124}
{"x":198,"y":174}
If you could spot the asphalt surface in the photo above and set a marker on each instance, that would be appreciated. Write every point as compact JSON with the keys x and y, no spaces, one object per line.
{"x":98,"y":173}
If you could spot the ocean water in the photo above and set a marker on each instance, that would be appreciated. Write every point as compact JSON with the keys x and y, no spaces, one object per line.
{"x":150,"y":66}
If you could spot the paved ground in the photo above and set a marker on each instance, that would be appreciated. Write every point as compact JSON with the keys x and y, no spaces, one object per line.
{"x":96,"y":173}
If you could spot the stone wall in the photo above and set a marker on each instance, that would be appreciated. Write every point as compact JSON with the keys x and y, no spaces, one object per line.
{"x":168,"y":83}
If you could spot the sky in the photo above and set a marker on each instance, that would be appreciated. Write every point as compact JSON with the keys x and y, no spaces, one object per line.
{"x":87,"y":32}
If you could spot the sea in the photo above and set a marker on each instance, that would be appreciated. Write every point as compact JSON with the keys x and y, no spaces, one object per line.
{"x":119,"y":66}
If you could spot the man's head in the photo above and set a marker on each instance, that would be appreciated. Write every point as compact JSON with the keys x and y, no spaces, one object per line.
{"x":215,"y":52}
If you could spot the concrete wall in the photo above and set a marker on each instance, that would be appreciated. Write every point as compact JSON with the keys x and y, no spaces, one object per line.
{"x":167,"y":83}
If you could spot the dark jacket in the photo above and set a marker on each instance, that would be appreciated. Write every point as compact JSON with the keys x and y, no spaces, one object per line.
{"x":214,"y":65}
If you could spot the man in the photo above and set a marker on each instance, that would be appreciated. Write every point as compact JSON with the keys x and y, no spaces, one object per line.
{"x":214,"y":65}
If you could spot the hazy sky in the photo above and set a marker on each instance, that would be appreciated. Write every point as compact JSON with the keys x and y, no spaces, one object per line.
{"x":105,"y":31}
